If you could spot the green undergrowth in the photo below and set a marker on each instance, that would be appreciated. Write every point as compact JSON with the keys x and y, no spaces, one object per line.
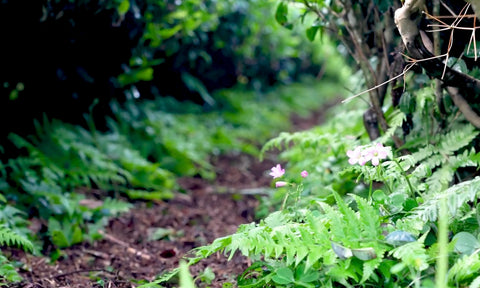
{"x":147,"y":146}
{"x":410,"y":220}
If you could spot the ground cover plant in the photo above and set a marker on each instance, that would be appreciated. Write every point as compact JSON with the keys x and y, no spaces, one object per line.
{"x":147,"y":148}
{"x":394,"y":203}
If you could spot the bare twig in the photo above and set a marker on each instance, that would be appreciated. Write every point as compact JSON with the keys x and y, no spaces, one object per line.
{"x":81,"y":271}
{"x":416,"y":48}
{"x":130,"y":249}
{"x":463,"y":106}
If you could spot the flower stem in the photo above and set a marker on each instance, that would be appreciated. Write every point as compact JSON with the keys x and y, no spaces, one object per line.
{"x":406,"y":177}
{"x":380,"y":172}
{"x":284,"y":202}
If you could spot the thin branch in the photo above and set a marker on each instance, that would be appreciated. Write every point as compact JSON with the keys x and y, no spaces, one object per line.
{"x":407,"y":68}
{"x":81,"y":271}
{"x":130,"y":249}
{"x":434,"y":67}
{"x":463,"y":106}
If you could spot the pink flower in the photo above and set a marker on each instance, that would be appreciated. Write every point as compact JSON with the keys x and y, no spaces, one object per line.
{"x":356,"y":156}
{"x":376,"y":153}
{"x":280,"y":184}
{"x":304,"y":173}
{"x":277,"y":171}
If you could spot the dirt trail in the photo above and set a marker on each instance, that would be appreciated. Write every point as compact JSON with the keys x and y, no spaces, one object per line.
{"x":191,"y":219}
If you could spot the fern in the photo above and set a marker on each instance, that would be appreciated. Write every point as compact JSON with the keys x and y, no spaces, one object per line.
{"x":395,"y":121}
{"x":475,"y":283}
{"x":115,"y":207}
{"x":8,"y":271}
{"x":307,"y":237}
{"x":431,"y":168}
{"x":9,"y":238}
{"x":331,"y":135}
{"x":456,"y":196}
{"x":464,"y":269}
{"x":413,"y":254}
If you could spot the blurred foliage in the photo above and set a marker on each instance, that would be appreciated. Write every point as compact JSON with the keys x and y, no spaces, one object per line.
{"x":219,"y":43}
{"x":125,"y":49}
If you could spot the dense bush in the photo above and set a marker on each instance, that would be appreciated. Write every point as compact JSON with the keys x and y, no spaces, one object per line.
{"x":66,"y":54}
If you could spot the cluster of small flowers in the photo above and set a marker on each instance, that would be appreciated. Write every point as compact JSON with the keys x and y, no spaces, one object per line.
{"x":363,"y":154}
{"x":277,"y":172}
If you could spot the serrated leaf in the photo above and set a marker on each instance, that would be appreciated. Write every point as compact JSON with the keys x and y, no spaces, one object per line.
{"x":313,"y":256}
{"x":291,"y":251}
{"x":302,"y":252}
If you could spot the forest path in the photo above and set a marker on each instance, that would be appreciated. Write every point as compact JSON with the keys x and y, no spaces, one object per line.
{"x":205,"y":211}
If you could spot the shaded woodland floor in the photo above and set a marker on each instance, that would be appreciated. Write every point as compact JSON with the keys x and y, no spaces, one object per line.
{"x":205,"y":211}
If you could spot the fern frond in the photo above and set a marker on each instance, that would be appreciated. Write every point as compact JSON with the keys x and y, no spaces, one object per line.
{"x":456,"y":196}
{"x":464,"y":269}
{"x":395,"y":121}
{"x":353,"y":223}
{"x":413,"y":254}
{"x":295,"y":241}
{"x":456,"y":139}
{"x":9,"y":238}
{"x":422,"y":154}
{"x":370,"y":219}
{"x":115,"y":206}
{"x":475,"y":283}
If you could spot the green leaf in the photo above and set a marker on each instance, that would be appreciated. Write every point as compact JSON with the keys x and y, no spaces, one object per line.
{"x":59,"y":239}
{"x":136,"y":75}
{"x":383,"y":5}
{"x":283,"y":276}
{"x":207,"y":275}
{"x":465,"y":243}
{"x":312,"y":32}
{"x":473,"y":50}
{"x":159,"y":233}
{"x":123,"y":7}
{"x":379,"y":196}
{"x":194,"y":84}
{"x":407,"y":103}
{"x":457,"y":64}
{"x":282,"y":13}
{"x":77,"y":235}
{"x":308,"y":276}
